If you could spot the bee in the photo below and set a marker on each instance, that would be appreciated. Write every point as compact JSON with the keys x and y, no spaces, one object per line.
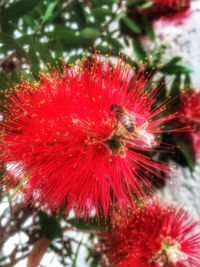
{"x":123,"y":117}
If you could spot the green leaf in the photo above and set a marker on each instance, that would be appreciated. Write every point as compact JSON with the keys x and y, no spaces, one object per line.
{"x":69,"y":38}
{"x":188,"y":152}
{"x":18,"y":9}
{"x":148,"y":28}
{"x":97,"y":3}
{"x":80,"y":14}
{"x":139,"y":50}
{"x":10,"y":42}
{"x":132,"y":3}
{"x":163,"y":92}
{"x":89,"y":33}
{"x":173,"y":61}
{"x":32,"y":53}
{"x":175,"y":88}
{"x":187,"y":81}
{"x":120,"y":16}
{"x":26,"y":75}
{"x":4,"y":82}
{"x":49,"y":11}
{"x":15,"y":78}
{"x":29,"y":21}
{"x":58,"y":48}
{"x":175,"y":69}
{"x":113,"y":43}
{"x":49,"y":226}
{"x":132,"y":25}
{"x":100,"y":13}
{"x":147,"y":5}
{"x":157,"y":54}
{"x":45,"y":54}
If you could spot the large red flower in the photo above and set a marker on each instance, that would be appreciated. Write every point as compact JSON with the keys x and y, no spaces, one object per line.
{"x":155,"y":235}
{"x":190,"y":109}
{"x":76,"y":139}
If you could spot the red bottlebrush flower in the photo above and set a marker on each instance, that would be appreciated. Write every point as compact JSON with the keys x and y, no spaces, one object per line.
{"x":155,"y":235}
{"x":146,"y":11}
{"x":76,"y":139}
{"x":166,"y":9}
{"x":190,"y":109}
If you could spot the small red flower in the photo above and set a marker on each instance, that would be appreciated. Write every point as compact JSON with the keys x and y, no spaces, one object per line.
{"x":76,"y":139}
{"x":155,"y":235}
{"x":190,"y":109}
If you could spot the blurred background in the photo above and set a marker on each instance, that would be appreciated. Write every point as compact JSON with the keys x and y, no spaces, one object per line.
{"x":36,"y":34}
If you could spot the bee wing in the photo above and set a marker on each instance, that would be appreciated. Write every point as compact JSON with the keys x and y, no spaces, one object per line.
{"x":138,"y":119}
